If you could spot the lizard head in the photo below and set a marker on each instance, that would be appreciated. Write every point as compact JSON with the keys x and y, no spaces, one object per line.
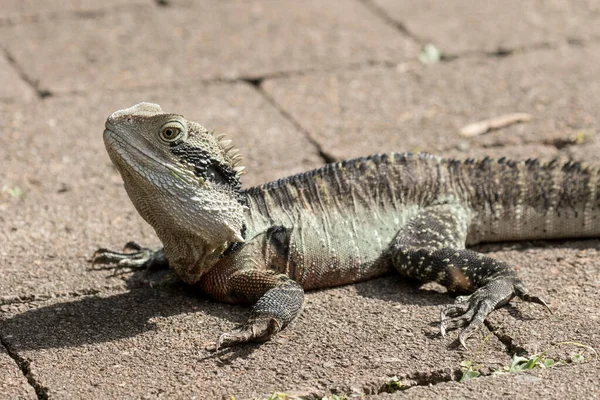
{"x":183,"y":180}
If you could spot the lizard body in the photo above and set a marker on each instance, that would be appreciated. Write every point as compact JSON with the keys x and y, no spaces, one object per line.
{"x":345,"y":222}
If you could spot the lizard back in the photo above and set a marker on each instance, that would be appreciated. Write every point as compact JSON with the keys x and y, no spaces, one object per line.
{"x":338,"y":220}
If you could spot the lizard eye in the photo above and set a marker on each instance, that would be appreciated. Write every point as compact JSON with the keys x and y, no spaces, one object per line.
{"x":172,"y":131}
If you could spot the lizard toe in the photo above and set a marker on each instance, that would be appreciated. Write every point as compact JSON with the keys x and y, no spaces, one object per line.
{"x":133,"y":256}
{"x":455,"y":322}
{"x":453,"y":310}
{"x":470,"y":311}
{"x":475,"y":321}
{"x":523,"y":294}
{"x":259,"y":329}
{"x":133,"y":246}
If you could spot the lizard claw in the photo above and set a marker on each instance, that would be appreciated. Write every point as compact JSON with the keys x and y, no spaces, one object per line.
{"x":133,"y":256}
{"x":533,"y":299}
{"x":133,"y":246}
{"x":470,"y":311}
{"x":259,"y":329}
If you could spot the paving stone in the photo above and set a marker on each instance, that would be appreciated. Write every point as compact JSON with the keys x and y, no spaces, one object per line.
{"x":422,"y":108}
{"x":149,"y":342}
{"x":150,"y":46}
{"x":460,"y":26}
{"x":61,"y":198}
{"x":13,"y":384}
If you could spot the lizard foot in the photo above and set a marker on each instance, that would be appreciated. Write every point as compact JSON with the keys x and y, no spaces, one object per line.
{"x":470,"y":311}
{"x":133,"y":256}
{"x":259,"y":329}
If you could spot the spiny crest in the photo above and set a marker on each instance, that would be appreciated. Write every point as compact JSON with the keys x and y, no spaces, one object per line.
{"x":232,"y":155}
{"x":561,"y":163}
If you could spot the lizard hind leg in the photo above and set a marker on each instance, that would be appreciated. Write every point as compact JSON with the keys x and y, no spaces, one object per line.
{"x":430,"y":247}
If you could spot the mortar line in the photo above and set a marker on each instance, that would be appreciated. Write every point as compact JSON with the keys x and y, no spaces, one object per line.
{"x":41,"y":93}
{"x":248,"y":79}
{"x":420,"y":379}
{"x":68,"y":15}
{"x":40,"y":390}
{"x":397,"y":25}
{"x":325,"y":156}
{"x":502,"y":52}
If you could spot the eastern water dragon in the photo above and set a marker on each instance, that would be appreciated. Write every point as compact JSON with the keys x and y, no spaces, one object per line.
{"x":345,"y":222}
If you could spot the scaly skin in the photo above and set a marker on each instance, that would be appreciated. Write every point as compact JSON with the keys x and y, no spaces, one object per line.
{"x":345,"y":222}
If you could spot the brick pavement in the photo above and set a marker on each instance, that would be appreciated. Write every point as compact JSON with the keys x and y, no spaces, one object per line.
{"x":295,"y":84}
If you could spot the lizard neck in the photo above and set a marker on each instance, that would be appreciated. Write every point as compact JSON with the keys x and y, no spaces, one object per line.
{"x":193,"y":238}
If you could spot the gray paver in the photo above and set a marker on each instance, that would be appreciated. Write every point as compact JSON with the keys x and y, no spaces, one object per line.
{"x":421,"y":108}
{"x":167,"y":45}
{"x":124,"y":344}
{"x":13,"y":384}
{"x":53,"y":151}
{"x":459,"y":26}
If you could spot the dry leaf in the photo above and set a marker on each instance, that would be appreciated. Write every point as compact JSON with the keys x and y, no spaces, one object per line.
{"x":481,"y":127}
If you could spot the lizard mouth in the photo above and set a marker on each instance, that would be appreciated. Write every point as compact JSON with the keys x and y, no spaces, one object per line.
{"x":128,"y":155}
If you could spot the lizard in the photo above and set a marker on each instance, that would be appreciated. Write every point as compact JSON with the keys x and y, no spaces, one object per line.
{"x":346,"y":222}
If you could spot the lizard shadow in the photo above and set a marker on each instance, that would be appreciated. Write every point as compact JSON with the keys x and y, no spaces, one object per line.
{"x":400,"y":290}
{"x":528,"y":245}
{"x":98,"y":319}
{"x":392,"y":287}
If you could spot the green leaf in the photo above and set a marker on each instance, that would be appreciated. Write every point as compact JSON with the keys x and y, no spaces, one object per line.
{"x":531,"y":363}
{"x":548,"y":363}
{"x":577,"y":357}
{"x":394,"y":384}
{"x":430,"y":54}
{"x":469,"y":375}
{"x":15,"y":191}
{"x":516,"y":364}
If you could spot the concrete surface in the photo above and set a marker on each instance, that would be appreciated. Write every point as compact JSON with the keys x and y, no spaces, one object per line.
{"x":295,"y":85}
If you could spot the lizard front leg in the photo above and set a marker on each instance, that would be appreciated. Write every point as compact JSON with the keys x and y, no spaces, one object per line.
{"x":132,"y":256}
{"x":431,"y":248}
{"x":277,"y":300}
